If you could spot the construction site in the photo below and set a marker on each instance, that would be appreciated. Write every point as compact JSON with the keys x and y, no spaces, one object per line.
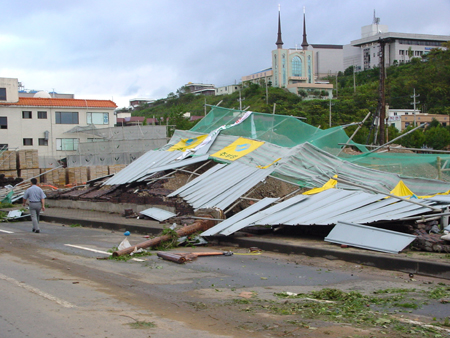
{"x":262,"y":173}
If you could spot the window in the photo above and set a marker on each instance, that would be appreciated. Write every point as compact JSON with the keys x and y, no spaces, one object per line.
{"x":4,"y":146}
{"x":27,"y":141}
{"x":66,"y":118}
{"x":296,"y":66}
{"x":2,"y":94}
{"x":66,"y":144}
{"x":97,"y":118}
{"x":3,"y":122}
{"x":27,"y":115}
{"x":43,"y":142}
{"x":42,"y":114}
{"x":95,"y":139}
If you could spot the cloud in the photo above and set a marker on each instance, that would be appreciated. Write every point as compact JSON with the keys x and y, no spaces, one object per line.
{"x":117,"y":49}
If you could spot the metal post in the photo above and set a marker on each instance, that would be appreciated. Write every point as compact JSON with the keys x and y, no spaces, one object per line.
{"x":395,"y":139}
{"x":439,"y":170}
{"x":351,"y":138}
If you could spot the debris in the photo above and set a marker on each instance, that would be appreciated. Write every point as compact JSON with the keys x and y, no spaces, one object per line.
{"x":124,"y":244}
{"x":435,"y":229}
{"x":126,"y":233}
{"x":181,"y":258}
{"x":187,"y":230}
{"x":446,"y":237}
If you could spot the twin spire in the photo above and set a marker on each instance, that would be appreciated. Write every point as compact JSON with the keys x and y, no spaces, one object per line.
{"x":279,"y":42}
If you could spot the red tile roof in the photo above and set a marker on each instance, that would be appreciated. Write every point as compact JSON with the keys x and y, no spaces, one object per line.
{"x":44,"y":102}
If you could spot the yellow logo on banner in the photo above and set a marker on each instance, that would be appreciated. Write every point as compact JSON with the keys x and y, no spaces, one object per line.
{"x":237,"y":149}
{"x":188,"y":143}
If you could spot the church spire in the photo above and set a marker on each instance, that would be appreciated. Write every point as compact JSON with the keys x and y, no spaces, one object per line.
{"x":304,"y":43}
{"x":279,"y":42}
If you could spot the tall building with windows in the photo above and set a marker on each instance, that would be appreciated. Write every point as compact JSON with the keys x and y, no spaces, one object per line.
{"x":54,"y":126}
{"x":364,"y":53}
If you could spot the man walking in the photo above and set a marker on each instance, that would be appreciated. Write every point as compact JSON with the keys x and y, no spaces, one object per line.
{"x":35,"y":197}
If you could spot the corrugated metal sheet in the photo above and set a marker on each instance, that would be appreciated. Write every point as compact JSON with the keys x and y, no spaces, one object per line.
{"x":313,"y":167}
{"x":221,"y":185}
{"x":232,"y":224}
{"x":333,"y":205}
{"x":158,"y":214}
{"x":366,"y":237}
{"x":139,"y":167}
{"x":173,"y":165}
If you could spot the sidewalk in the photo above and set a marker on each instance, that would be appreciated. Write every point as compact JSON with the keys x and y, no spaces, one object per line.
{"x":424,"y":263}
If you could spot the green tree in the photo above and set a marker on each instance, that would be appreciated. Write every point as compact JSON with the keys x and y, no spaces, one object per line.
{"x":416,"y":139}
{"x":437,"y":137}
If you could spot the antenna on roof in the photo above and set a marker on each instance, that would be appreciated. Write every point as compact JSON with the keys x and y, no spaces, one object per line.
{"x":376,"y":21}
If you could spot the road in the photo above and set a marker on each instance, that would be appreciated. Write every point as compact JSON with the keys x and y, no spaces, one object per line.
{"x":55,"y":284}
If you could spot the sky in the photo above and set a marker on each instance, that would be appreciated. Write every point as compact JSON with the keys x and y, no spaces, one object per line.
{"x":123,"y":49}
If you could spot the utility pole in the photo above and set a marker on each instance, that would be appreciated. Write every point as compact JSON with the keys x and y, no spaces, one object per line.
{"x":336,"y":85}
{"x":240,"y":99}
{"x":267,"y":92}
{"x":414,"y":103}
{"x":330,"y":114}
{"x":382,"y":94}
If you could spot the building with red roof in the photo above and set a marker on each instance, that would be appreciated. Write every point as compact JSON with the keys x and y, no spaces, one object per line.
{"x":54,"y":126}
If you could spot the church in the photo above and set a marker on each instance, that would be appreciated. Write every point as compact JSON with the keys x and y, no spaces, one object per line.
{"x":298,"y":70}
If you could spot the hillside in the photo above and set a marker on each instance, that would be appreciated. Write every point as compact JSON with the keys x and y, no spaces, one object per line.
{"x":430,"y":77}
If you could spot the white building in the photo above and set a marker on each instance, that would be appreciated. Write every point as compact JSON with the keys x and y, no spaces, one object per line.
{"x":364,"y":53}
{"x":226,"y":90}
{"x":53,"y":126}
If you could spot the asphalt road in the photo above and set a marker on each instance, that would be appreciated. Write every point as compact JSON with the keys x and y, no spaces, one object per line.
{"x":53,"y":284}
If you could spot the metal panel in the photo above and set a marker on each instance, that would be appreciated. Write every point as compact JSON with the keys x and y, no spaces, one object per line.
{"x":198,"y":179}
{"x":334,"y":205}
{"x":232,"y":221}
{"x":221,"y":187}
{"x":135,"y":169}
{"x":158,"y":214}
{"x":366,"y":237}
{"x":173,"y":165}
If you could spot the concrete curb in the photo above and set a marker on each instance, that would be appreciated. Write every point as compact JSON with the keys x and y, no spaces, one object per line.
{"x":374,"y":259}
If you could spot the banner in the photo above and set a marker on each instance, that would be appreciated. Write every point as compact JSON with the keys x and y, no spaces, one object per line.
{"x":208,"y":141}
{"x":188,"y":143}
{"x":237,"y":149}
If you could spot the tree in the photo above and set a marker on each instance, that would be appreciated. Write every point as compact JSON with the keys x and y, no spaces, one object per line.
{"x":416,"y":139}
{"x":437,"y":137}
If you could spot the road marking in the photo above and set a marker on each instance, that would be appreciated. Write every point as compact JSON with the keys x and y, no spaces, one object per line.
{"x":37,"y":291}
{"x":99,"y":251}
{"x":6,"y":231}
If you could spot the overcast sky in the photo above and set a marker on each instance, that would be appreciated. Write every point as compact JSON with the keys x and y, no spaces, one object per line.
{"x":123,"y":49}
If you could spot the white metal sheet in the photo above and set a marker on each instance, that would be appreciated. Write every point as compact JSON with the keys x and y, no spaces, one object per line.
{"x":366,"y":237}
{"x":158,"y":214}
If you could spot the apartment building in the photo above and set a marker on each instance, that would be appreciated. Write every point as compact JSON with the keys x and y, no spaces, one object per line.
{"x":53,"y":126}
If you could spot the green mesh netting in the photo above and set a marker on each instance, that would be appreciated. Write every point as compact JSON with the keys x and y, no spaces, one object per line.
{"x":288,"y":131}
{"x":285,"y":131}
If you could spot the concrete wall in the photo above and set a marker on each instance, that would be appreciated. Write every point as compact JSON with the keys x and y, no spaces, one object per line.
{"x":103,"y":206}
{"x":12,"y":89}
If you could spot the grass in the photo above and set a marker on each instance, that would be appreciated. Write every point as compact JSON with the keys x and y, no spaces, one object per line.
{"x":125,"y":258}
{"x":378,"y":310}
{"x":142,"y":325}
{"x":75,"y":225}
{"x":6,"y":205}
